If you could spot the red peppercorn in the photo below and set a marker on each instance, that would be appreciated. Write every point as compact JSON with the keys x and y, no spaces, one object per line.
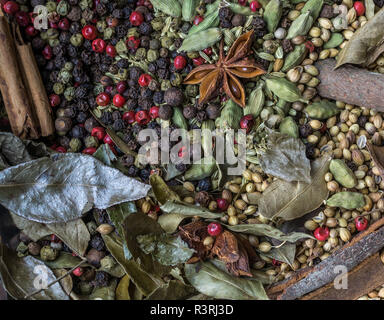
{"x":208,"y":51}
{"x":361,"y":223}
{"x":254,"y":5}
{"x":154,"y":112}
{"x":180,"y":62}
{"x":89,"y":151}
{"x":242,"y":2}
{"x":61,"y":149}
{"x":111,"y":51}
{"x":136,"y":18}
{"x":54,"y":100}
{"x":47,"y":52}
{"x":321,"y":233}
{"x":276,"y":262}
{"x":31,"y":31}
{"x":108,"y":90}
{"x":64,"y":24}
{"x":144,"y":80}
{"x":222,"y":204}
{"x":121,"y":86}
{"x":142,"y":117}
{"x":53,"y":25}
{"x":129,"y":117}
{"x":11,"y":7}
{"x":197,"y":20}
{"x":112,"y":22}
{"x":247,"y":123}
{"x":103,"y":99}
{"x":78,"y":272}
{"x":214,"y":229}
{"x":118,"y":100}
{"x":198,"y":61}
{"x":108,"y":140}
{"x":182,"y":152}
{"x":89,"y":32}
{"x":359,"y":7}
{"x":98,"y":45}
{"x":55,"y":238}
{"x":310,"y":46}
{"x":22,"y":18}
{"x":98,"y":132}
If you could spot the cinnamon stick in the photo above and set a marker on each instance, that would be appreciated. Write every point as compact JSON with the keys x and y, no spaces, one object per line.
{"x":351,"y":85}
{"x":34,"y":85}
{"x":15,"y":95}
{"x":321,"y":277}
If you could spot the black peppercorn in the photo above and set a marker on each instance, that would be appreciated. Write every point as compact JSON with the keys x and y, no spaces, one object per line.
{"x":135,"y":73}
{"x":174,"y":96}
{"x":238,"y":20}
{"x":213,"y":111}
{"x":81,"y":117}
{"x":158,"y":97}
{"x":132,"y":171}
{"x":205,"y":184}
{"x":201,"y":115}
{"x":165,"y":112}
{"x":106,"y":118}
{"x":78,"y":132}
{"x":90,"y":123}
{"x":305,"y":130}
{"x":145,"y":28}
{"x":127,"y":160}
{"x":118,"y":125}
{"x":189,"y":112}
{"x":144,"y":174}
{"x":97,"y":242}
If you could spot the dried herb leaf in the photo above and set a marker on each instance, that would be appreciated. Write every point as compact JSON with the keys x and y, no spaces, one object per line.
{"x":171,"y":172}
{"x":122,"y":292}
{"x":201,"y":169}
{"x":12,"y":150}
{"x":268,"y":231}
{"x":66,"y":283}
{"x":19,"y":276}
{"x":377,"y":155}
{"x":189,"y":210}
{"x":170,"y":221}
{"x":213,"y":282}
{"x":173,"y":290}
{"x":168,"y":250}
{"x":105,"y":155}
{"x":162,"y":192}
{"x":366,"y":44}
{"x":285,"y":158}
{"x":65,"y":186}
{"x":64,"y":261}
{"x":105,"y":293}
{"x":285,"y":253}
{"x":291,"y":200}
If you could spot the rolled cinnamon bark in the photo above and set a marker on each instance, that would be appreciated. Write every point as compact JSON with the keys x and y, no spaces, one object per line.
{"x":35,"y":86}
{"x":351,"y":85}
{"x":15,"y":95}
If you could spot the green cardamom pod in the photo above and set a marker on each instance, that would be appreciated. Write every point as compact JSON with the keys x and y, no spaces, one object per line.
{"x":289,"y":127}
{"x":210,"y":21}
{"x":300,"y":26}
{"x":347,"y":200}
{"x":295,"y":57}
{"x":201,"y":40}
{"x":314,"y":6}
{"x":342,"y":173}
{"x":169,"y":7}
{"x":255,"y":102}
{"x":322,"y":110}
{"x":266,"y":56}
{"x":284,"y":89}
{"x":272,"y":14}
{"x":239,"y":9}
{"x":335,"y":40}
{"x":230,"y":116}
{"x":212,"y":7}
{"x":188,"y":9}
{"x":179,"y":119}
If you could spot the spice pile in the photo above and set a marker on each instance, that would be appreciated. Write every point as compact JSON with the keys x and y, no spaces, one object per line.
{"x":112,"y":68}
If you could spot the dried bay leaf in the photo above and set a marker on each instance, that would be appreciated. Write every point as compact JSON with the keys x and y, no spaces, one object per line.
{"x":377,"y":155}
{"x":173,"y":290}
{"x":12,"y":150}
{"x":63,"y":187}
{"x":291,"y":200}
{"x":285,"y":253}
{"x":213,"y":282}
{"x":162,"y":192}
{"x":189,"y":210}
{"x":170,"y":221}
{"x":64,"y":261}
{"x":285,"y":158}
{"x":366,"y":44}
{"x":168,"y":250}
{"x":66,"y":283}
{"x":105,"y":155}
{"x":105,"y":293}
{"x":201,"y":169}
{"x":122,"y":292}
{"x":268,"y":231}
{"x":18,"y":276}
{"x":171,"y":172}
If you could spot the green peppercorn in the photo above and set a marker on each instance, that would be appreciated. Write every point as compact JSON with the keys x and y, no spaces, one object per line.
{"x":163,"y":52}
{"x":122,"y":74}
{"x":152,"y":55}
{"x":101,"y":26}
{"x":165,"y":84}
{"x":68,"y":66}
{"x":48,"y":254}
{"x":157,"y":24}
{"x":53,"y":42}
{"x":166,"y":42}
{"x":64,"y":76}
{"x":108,"y":33}
{"x":141,"y":54}
{"x":69,"y":93}
{"x":176,"y":79}
{"x":75,"y":145}
{"x":63,"y":8}
{"x":58,"y":88}
{"x":52,"y":33}
{"x":91,"y":142}
{"x":51,"y":6}
{"x":154,"y":44}
{"x":22,"y":249}
{"x":76,"y":40}
{"x":193,"y":54}
{"x":121,"y":47}
{"x":84,"y":4}
{"x":154,"y":85}
{"x":192,"y":90}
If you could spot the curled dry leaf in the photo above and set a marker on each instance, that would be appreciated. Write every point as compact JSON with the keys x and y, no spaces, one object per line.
{"x":366,"y":44}
{"x":162,"y":192}
{"x":377,"y":155}
{"x":291,"y":200}
{"x":122,"y":292}
{"x":45,"y":190}
{"x":285,"y":253}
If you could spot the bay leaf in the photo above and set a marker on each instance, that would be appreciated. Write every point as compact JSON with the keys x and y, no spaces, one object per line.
{"x":64,"y":261}
{"x":201,"y":169}
{"x":171,"y":172}
{"x":105,"y":293}
{"x":213,"y":282}
{"x":66,"y":283}
{"x":20,"y":274}
{"x":162,"y":192}
{"x":189,"y":210}
{"x":122,"y":292}
{"x":63,"y":187}
{"x":105,"y":155}
{"x":173,"y":290}
{"x":285,"y":253}
{"x":142,"y":280}
{"x":285,"y":158}
{"x":167,"y":249}
{"x":120,"y":143}
{"x":32,"y":229}
{"x":268,"y":231}
{"x":170,"y":221}
{"x":13,"y":150}
{"x":366,"y":44}
{"x":291,"y":200}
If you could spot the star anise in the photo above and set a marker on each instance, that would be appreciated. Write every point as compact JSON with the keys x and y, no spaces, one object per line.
{"x":227,"y":71}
